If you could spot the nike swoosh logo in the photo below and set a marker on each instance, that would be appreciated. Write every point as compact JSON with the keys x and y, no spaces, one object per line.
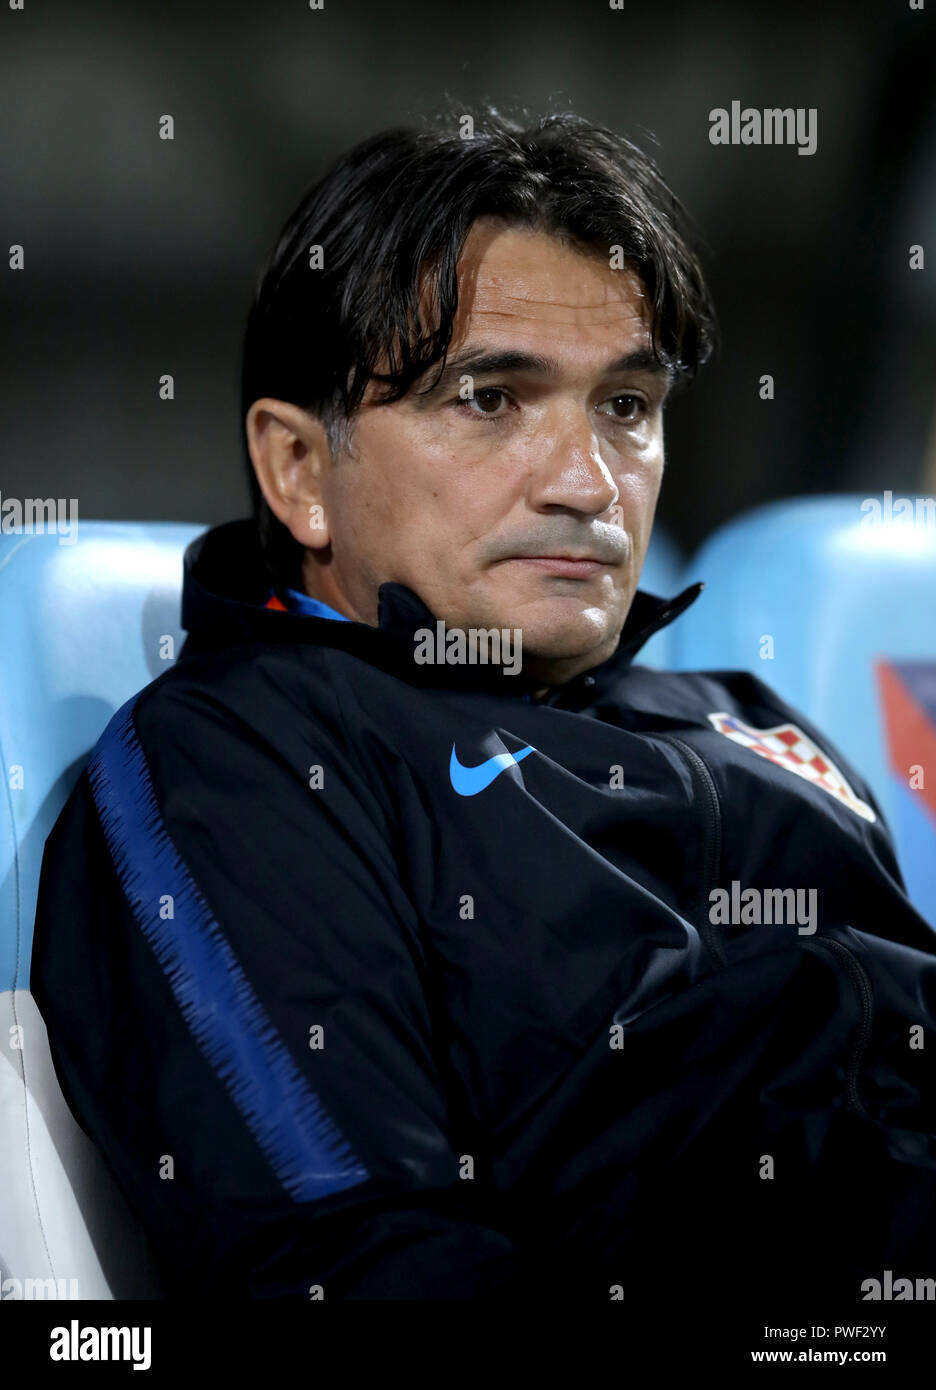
{"x":468,"y":781}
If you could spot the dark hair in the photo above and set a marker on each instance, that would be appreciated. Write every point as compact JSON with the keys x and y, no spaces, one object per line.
{"x":391,"y":216}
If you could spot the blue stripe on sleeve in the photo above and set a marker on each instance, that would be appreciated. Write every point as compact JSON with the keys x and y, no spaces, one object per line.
{"x":309,"y":1155}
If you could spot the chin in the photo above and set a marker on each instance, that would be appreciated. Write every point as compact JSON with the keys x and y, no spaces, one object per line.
{"x":568,"y":638}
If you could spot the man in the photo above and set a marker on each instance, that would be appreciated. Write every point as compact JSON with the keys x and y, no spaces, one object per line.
{"x":377,"y":969}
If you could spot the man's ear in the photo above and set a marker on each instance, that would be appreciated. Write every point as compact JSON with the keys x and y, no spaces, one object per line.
{"x":291,"y":458}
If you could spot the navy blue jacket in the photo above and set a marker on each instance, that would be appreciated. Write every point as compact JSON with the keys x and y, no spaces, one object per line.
{"x":348,"y":1019}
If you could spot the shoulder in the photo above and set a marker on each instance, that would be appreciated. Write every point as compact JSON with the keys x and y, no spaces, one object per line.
{"x":695,"y":694}
{"x":253,"y":712}
{"x":251,"y":691}
{"x":753,"y":706}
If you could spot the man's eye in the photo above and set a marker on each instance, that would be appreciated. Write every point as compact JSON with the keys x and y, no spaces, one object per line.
{"x":635,"y":407}
{"x":479,"y":398}
{"x":638,"y":408}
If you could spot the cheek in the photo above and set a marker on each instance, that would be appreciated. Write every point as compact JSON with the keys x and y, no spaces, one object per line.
{"x":460,"y":495}
{"x":639,"y":488}
{"x":648,"y":461}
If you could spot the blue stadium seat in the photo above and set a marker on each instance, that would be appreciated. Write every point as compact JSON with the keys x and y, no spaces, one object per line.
{"x":848,"y":598}
{"x":83,"y":626}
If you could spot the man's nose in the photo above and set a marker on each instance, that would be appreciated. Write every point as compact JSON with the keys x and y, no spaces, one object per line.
{"x":571,"y":473}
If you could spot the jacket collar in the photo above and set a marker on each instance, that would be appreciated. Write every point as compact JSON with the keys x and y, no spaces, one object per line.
{"x":224,"y":591}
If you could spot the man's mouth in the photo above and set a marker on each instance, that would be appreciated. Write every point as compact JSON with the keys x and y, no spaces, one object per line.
{"x":563,"y":565}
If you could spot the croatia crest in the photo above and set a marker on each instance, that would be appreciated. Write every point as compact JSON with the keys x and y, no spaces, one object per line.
{"x":787,"y":746}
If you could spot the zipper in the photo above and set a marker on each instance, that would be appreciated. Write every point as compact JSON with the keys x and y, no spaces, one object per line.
{"x":711,"y":855}
{"x":865,"y":993}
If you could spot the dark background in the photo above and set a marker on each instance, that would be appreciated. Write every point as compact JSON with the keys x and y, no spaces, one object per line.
{"x":141,"y":254}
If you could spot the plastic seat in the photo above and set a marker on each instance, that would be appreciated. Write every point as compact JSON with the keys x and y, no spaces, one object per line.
{"x":82,"y":627}
{"x":849,"y":604}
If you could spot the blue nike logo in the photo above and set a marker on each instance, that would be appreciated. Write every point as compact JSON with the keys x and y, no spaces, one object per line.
{"x":468,"y":781}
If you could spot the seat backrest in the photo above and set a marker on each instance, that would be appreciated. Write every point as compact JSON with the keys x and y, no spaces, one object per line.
{"x":832,"y":601}
{"x":83,"y":626}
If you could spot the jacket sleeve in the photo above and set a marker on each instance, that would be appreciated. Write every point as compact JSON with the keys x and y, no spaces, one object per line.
{"x":242,"y":1018}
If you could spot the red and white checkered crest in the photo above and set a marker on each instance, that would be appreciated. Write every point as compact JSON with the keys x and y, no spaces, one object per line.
{"x":787,"y":746}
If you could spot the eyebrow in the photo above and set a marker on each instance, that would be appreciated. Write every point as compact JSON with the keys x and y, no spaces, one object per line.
{"x":481,"y":362}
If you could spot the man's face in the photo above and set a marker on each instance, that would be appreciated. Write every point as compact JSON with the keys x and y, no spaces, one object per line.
{"x":529,"y":504}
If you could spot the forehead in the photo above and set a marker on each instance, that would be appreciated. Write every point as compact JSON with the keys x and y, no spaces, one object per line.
{"x":515,"y":281}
